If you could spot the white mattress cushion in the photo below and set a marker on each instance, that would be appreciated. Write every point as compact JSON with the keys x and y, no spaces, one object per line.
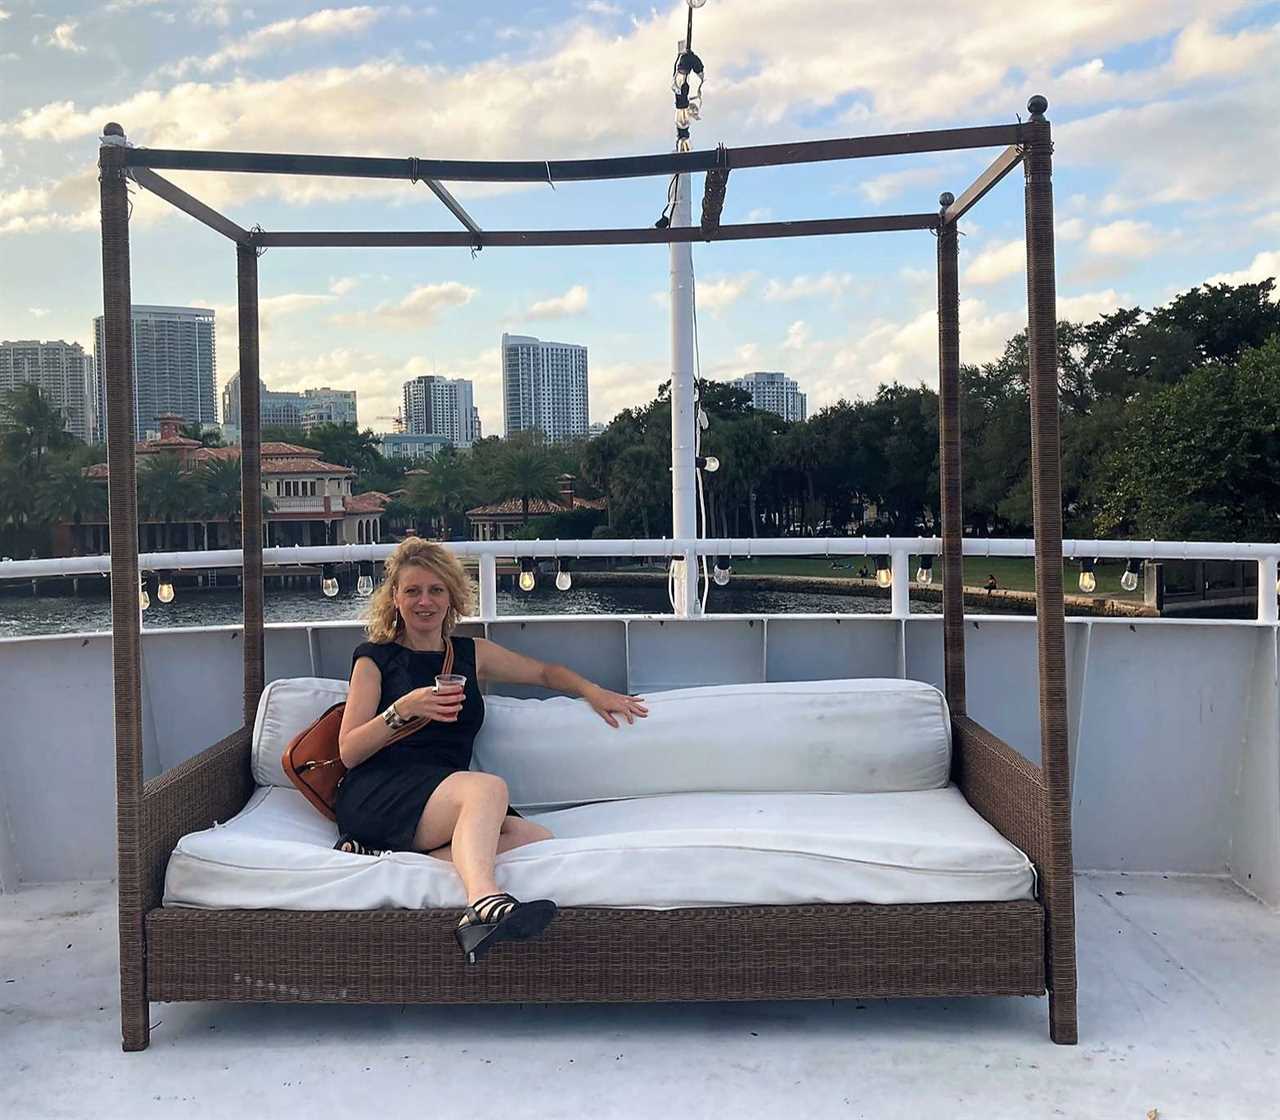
{"x":665,"y":852}
{"x":867,"y":735}
{"x":286,"y":707}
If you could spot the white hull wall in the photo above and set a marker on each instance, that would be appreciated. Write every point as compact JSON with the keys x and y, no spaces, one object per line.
{"x":1174,"y":725}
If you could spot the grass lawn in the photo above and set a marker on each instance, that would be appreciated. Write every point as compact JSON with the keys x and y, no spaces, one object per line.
{"x":1013,"y":573}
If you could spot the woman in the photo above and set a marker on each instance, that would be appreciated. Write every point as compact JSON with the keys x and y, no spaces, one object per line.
{"x":418,"y":794}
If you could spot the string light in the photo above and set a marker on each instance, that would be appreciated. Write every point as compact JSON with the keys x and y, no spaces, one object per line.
{"x":884,"y":572}
{"x":528,"y":580}
{"x":564,"y":580}
{"x":1129,"y":581}
{"x":1088,"y":581}
{"x":364,"y":585}
{"x":924,"y":573}
{"x":144,"y":597}
{"x":328,"y":581}
{"x":720,"y":573}
{"x":708,"y":463}
{"x":164,"y":587}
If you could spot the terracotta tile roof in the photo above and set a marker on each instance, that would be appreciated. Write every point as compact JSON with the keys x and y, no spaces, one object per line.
{"x":538,"y":507}
{"x":166,"y":443}
{"x":300,"y":465}
{"x":372,"y":501}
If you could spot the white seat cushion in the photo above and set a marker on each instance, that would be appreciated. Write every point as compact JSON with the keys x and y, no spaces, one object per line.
{"x":867,"y":735}
{"x":664,"y":852}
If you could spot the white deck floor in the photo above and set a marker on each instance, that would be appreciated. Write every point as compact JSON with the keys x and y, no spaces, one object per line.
{"x":1179,"y":1011}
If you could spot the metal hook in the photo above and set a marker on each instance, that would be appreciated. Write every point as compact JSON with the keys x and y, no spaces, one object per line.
{"x":549,"y":182}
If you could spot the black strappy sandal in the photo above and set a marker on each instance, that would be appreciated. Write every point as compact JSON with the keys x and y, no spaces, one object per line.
{"x":354,"y":847}
{"x":501,"y":917}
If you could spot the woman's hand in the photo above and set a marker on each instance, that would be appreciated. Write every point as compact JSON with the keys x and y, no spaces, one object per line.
{"x":608,"y":704}
{"x":427,"y":703}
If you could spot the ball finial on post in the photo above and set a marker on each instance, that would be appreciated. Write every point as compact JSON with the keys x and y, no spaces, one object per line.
{"x":112,"y":129}
{"x":1036,"y":106}
{"x":945,"y":199}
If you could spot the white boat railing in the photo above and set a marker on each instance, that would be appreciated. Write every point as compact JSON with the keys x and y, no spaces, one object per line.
{"x":899,"y":549}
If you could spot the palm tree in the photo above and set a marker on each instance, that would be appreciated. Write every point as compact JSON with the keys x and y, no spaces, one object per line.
{"x":31,"y":427}
{"x":220,"y":494}
{"x":65,"y":494}
{"x":166,"y":492}
{"x":525,"y":469}
{"x":445,"y":490}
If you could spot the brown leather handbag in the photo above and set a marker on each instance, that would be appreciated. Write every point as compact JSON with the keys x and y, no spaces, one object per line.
{"x":311,"y":760}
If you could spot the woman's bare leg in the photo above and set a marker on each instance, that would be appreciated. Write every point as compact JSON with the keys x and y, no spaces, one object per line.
{"x":466,"y":812}
{"x":515,"y":833}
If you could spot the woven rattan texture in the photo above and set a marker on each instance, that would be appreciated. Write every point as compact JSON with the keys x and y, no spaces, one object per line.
{"x":1046,"y":474}
{"x":210,"y":787}
{"x":596,"y":955}
{"x":949,"y":467}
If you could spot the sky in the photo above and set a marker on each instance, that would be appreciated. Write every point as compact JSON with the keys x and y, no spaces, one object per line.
{"x":1166,"y":174}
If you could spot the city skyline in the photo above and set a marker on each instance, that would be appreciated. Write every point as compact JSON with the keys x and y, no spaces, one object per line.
{"x":1143,"y":212}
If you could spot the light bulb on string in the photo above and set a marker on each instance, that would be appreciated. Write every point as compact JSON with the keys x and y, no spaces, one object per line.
{"x":164,"y":587}
{"x":1088,"y":581}
{"x":564,"y":580}
{"x":884,"y":572}
{"x":144,"y":597}
{"x":328,"y":581}
{"x":924,"y":573}
{"x":1129,"y":581}
{"x":708,"y":463}
{"x":720,"y":572}
{"x":364,"y":585}
{"x":528,"y":580}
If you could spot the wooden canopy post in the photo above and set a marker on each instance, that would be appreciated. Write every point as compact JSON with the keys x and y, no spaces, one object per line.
{"x":949,"y":460}
{"x":126,"y":620}
{"x":1046,"y":476}
{"x":250,"y":479}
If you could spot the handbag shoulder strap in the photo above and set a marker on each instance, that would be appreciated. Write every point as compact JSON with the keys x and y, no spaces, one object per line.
{"x":447,"y":668}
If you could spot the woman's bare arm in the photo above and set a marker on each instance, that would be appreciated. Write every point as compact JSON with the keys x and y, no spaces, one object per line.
{"x":495,"y":662}
{"x":364,"y":732}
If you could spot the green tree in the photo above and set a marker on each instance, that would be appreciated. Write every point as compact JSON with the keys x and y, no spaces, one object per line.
{"x":208,"y":435}
{"x":67,"y":494}
{"x":443,"y":492}
{"x":31,"y":429}
{"x":525,"y":469}
{"x":1197,"y":460}
{"x":167,"y":493}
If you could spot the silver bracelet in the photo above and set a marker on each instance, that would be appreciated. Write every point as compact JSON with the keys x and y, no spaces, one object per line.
{"x":393,"y":719}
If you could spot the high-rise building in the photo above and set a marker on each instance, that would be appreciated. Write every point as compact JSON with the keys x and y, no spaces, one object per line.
{"x":441,"y":406}
{"x":544,"y":386}
{"x":303,"y":410}
{"x":63,"y":373}
{"x":773,"y":392}
{"x":174,"y":368}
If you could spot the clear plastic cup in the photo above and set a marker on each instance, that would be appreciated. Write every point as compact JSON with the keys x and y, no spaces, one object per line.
{"x":447,"y":681}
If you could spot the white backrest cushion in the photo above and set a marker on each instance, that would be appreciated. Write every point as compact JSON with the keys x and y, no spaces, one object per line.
{"x":868,"y":735}
{"x":288,"y":706}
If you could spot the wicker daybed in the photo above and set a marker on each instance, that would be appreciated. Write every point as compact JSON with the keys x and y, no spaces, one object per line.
{"x":770,"y":952}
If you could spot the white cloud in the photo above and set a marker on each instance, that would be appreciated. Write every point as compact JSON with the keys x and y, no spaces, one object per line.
{"x":281,"y":35}
{"x":797,"y":336}
{"x":63,"y":37}
{"x":37,"y":312}
{"x":884,"y":187}
{"x":759,"y":214}
{"x":721,"y":292}
{"x":1089,"y":305}
{"x":420,"y":308}
{"x":342,"y":285}
{"x":828,"y":284}
{"x":1071,"y":229}
{"x":4,"y":15}
{"x":573,"y":302}
{"x":1125,"y":238}
{"x":599,"y":8}
{"x":1264,"y":266}
{"x":997,"y":262}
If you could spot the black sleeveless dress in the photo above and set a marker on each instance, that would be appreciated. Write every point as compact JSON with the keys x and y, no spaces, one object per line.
{"x":380,"y":801}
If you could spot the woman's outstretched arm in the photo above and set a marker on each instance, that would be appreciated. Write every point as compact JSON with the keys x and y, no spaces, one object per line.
{"x":495,"y":662}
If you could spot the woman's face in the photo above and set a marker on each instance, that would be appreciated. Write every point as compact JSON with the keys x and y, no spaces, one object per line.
{"x":422,"y":599}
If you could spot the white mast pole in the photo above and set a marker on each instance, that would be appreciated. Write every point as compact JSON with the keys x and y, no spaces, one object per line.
{"x":684,"y":500}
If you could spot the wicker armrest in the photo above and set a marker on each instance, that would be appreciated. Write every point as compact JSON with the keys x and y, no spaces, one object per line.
{"x":212,"y":786}
{"x":1004,"y":787}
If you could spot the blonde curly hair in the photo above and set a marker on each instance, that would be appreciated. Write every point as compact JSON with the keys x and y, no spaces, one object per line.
{"x":385,"y":623}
